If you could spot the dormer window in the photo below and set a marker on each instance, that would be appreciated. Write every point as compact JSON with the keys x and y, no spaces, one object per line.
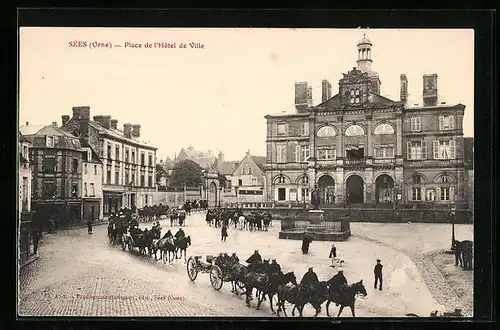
{"x":50,"y":141}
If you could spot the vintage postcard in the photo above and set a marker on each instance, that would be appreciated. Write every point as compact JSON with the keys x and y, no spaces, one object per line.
{"x":246,"y":172}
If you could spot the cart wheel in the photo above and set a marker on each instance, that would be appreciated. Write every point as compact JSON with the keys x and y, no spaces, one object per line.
{"x":191,"y":268}
{"x":216,"y":277}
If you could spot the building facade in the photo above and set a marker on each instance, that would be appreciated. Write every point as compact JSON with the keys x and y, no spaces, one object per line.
{"x":359,"y":147}
{"x":24,"y":175}
{"x":128,"y":163}
{"x":56,"y":158}
{"x":248,"y":179}
{"x":92,"y":186}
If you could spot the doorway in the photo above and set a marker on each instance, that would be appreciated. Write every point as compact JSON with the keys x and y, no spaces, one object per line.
{"x":384,"y":187}
{"x":354,"y":186}
{"x":326,"y":186}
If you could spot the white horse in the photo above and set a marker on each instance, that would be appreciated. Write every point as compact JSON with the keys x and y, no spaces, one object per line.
{"x":242,"y":222}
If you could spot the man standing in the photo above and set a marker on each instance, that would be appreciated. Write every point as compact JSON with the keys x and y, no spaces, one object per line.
{"x":223,"y":233}
{"x":35,"y":236}
{"x":306,"y":240}
{"x":333,"y":255}
{"x":89,"y":226}
{"x":378,"y":275}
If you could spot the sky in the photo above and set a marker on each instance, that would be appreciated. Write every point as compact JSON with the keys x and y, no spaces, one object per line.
{"x":215,"y":97}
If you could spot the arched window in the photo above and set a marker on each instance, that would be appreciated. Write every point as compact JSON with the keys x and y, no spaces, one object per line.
{"x":383,"y":129}
{"x":326,"y":131}
{"x":354,"y":130}
{"x":304,"y":179}
{"x":280,"y":179}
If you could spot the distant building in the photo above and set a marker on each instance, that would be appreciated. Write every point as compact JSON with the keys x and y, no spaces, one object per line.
{"x":92,"y":185}
{"x":129,"y":172}
{"x":24,"y":175}
{"x":248,"y":179}
{"x":469,"y":166}
{"x":226,"y":168}
{"x":56,"y":157}
{"x":206,"y":159}
{"x":359,"y":147}
{"x":164,"y":178}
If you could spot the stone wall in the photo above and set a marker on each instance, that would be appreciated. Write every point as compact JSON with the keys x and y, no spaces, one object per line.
{"x":288,"y":216}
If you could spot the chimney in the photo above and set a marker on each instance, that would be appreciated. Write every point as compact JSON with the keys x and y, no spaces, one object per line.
{"x":106,"y":122}
{"x":403,"y":93}
{"x":54,"y":123}
{"x":81,"y":112}
{"x":309,"y":96}
{"x":127,"y":130}
{"x":220,"y":158}
{"x":136,"y":130}
{"x":248,"y":152}
{"x":114,"y":123}
{"x":326,"y":90}
{"x":65,"y":119}
{"x":301,"y":96}
{"x":430,"y":91}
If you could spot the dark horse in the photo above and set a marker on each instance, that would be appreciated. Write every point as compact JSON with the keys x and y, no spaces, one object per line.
{"x":315,"y":295}
{"x":181,"y":245}
{"x":346,"y":296}
{"x":237,"y":277}
{"x":275,"y":281}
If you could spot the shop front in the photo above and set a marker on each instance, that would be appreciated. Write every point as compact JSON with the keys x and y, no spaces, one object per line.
{"x":112,"y":202}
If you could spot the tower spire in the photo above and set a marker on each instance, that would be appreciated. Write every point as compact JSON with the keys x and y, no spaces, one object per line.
{"x":364,"y":54}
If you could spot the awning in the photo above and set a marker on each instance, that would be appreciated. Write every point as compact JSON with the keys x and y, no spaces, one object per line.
{"x":354,"y":147}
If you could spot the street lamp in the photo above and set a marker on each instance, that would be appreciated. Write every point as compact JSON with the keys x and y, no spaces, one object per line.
{"x":452,"y":226}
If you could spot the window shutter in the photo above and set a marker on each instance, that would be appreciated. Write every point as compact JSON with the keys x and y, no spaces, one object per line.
{"x":438,"y":193}
{"x":441,"y":122}
{"x":419,"y":124}
{"x":424,"y":150}
{"x":297,"y":153}
{"x":452,"y":193}
{"x":412,"y":124}
{"x":408,"y":194}
{"x":436,"y":149}
{"x":451,"y":122}
{"x":408,"y":150}
{"x":422,"y":193}
{"x":453,"y":146}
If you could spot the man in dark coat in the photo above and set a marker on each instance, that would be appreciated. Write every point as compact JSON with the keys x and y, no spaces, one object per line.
{"x":89,"y":226}
{"x":180,"y":234}
{"x":306,"y":240}
{"x":36,"y":237}
{"x":274,"y":267}
{"x":337,"y":283}
{"x":333,"y":255}
{"x":223,"y":233}
{"x":310,"y":278}
{"x":378,"y":275}
{"x":235,"y":258}
{"x":254,"y":258}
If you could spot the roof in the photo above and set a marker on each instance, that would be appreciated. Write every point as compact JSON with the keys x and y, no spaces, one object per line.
{"x":119,"y":134}
{"x":30,"y":129}
{"x":193,"y":153}
{"x":260,"y":161}
{"x":364,"y":40}
{"x":167,"y":164}
{"x":227,"y":168}
{"x":65,"y":140}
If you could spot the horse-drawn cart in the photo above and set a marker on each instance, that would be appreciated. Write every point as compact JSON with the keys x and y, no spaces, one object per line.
{"x":218,"y":273}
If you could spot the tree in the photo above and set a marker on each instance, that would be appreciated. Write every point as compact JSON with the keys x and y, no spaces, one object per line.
{"x":186,"y":172}
{"x":222,"y":180}
{"x":160,"y":172}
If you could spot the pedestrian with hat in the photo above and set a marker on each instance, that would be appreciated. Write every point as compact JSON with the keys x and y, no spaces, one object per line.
{"x":378,"y":275}
{"x":333,"y":255}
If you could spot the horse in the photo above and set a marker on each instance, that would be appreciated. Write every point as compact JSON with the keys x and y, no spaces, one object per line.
{"x":315,"y":294}
{"x":237,"y":274}
{"x":166,"y":247}
{"x":181,"y":245}
{"x":346,"y":296}
{"x":242,"y":222}
{"x":258,"y":281}
{"x":275,"y":281}
{"x":289,"y":293}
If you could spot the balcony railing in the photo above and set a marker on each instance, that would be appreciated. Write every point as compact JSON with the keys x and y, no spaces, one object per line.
{"x":355,"y":161}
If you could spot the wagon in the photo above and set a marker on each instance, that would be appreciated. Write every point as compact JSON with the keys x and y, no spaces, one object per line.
{"x":196,"y":265}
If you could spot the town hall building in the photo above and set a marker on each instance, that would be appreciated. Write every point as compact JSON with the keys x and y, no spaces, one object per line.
{"x":359,"y":147}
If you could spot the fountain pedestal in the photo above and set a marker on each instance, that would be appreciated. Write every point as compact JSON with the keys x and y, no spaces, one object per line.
{"x":315,"y":216}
